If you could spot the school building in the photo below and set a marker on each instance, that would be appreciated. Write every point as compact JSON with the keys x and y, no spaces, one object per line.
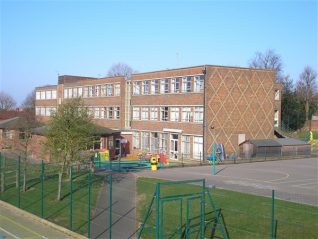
{"x":179,"y":112}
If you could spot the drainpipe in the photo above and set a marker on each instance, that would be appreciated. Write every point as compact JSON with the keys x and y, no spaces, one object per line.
{"x":204,"y":71}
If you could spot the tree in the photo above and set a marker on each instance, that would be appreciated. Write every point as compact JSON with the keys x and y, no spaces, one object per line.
{"x":268,"y":60}
{"x":6,"y":102}
{"x":29,"y":101}
{"x":120,"y":69}
{"x":306,"y":87}
{"x":70,"y":131}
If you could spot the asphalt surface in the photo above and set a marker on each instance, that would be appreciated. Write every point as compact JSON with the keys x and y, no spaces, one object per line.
{"x":293,"y":180}
{"x":15,"y":226}
{"x":123,"y":208}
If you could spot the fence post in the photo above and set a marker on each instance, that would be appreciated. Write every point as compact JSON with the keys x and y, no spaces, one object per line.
{"x":18,"y":178}
{"x":110,"y":204}
{"x":89,"y":206}
{"x":273,"y":216}
{"x":42,"y":189}
{"x":71,"y":200}
{"x":157,"y":211}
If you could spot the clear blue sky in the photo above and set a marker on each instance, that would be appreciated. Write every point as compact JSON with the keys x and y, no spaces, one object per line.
{"x":41,"y":39}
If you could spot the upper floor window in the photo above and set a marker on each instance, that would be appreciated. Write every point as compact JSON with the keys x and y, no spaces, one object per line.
{"x":175,"y":85}
{"x":174,"y":114}
{"x":109,"y":90}
{"x":186,"y":84}
{"x":110,"y":112}
{"x":186,"y":114}
{"x":48,"y":94}
{"x":198,"y":84}
{"x":90,"y":91}
{"x":85,"y":92}
{"x":136,"y":113}
{"x":53,"y":94}
{"x":97,"y":90}
{"x":65,"y":93}
{"x":144,"y":113}
{"x":75,"y":90}
{"x":97,"y":113}
{"x":117,"y":89}
{"x":42,"y":95}
{"x":198,"y":114}
{"x":136,"y":88}
{"x":164,"y":88}
{"x":145,"y":87}
{"x":277,"y":95}
{"x":80,"y":92}
{"x":103,"y":90}
{"x":117,"y":112}
{"x":155,"y":87}
{"x":154,"y":113}
{"x":164,"y":113}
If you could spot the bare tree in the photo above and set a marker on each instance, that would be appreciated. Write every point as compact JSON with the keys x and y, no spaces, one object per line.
{"x":29,"y":101}
{"x":268,"y":60}
{"x":120,"y":69}
{"x":6,"y":101}
{"x":306,"y":87}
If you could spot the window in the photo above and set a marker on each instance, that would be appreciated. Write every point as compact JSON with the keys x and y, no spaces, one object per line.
{"x":276,"y":94}
{"x":109,"y":90}
{"x":164,"y":113}
{"x":164,"y":89}
{"x":37,"y":110}
{"x":163,"y":140}
{"x":136,"y":140}
{"x":175,"y":85}
{"x":136,"y":88}
{"x":103,"y":112}
{"x":153,"y":113}
{"x":145,"y":141}
{"x":97,"y":114}
{"x":155,"y":87}
{"x":103,"y":93}
{"x":136,"y":113}
{"x":186,"y":84}
{"x":48,"y":111}
{"x":48,"y":94}
{"x":144,"y":113}
{"x":91,"y":111}
{"x":65,"y":93}
{"x":38,"y":95}
{"x":198,"y":84}
{"x":117,"y":89}
{"x":53,"y":94}
{"x":42,"y":95}
{"x":85,"y":92}
{"x":145,"y":87}
{"x":90,"y":91}
{"x":174,"y":114}
{"x":198,"y":114}
{"x":117,"y":112}
{"x":42,"y":111}
{"x":70,"y":93}
{"x":197,"y":147}
{"x":185,"y":146}
{"x":154,"y":142}
{"x":186,"y":114}
{"x":75,"y":92}
{"x":97,"y":90}
{"x":276,"y":118}
{"x":110,"y":111}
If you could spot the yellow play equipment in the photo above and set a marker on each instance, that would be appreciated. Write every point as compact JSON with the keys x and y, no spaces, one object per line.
{"x":154,"y":162}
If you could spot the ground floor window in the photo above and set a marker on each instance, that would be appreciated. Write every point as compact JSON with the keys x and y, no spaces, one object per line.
{"x":163,"y":140}
{"x":197,"y":147}
{"x":145,"y":141}
{"x":154,"y":142}
{"x":185,"y":146}
{"x":136,"y":143}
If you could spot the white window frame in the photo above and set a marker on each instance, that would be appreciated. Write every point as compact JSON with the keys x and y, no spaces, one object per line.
{"x":136,"y":88}
{"x":186,"y":84}
{"x":97,"y":90}
{"x":75,"y":92}
{"x":90,"y":91}
{"x":174,"y":114}
{"x":65,"y":93}
{"x":136,"y":113}
{"x":145,"y":141}
{"x":145,"y":87}
{"x":197,"y":147}
{"x":145,"y":113}
{"x":154,"y":113}
{"x":198,"y":84}
{"x":186,"y":146}
{"x":164,"y":113}
{"x":38,"y":95}
{"x":109,"y":90}
{"x":85,"y":92}
{"x":136,"y":140}
{"x":186,"y":114}
{"x":96,"y":113}
{"x":117,"y":112}
{"x":117,"y":89}
{"x":198,"y":114}
{"x":110,"y":112}
{"x":154,"y":87}
{"x":42,"y":95}
{"x":48,"y":94}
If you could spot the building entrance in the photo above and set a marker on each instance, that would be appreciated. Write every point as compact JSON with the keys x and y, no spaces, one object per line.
{"x":174,"y":138}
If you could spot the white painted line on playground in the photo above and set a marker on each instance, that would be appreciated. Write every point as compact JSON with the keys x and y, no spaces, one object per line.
{"x":9,"y":233}
{"x":300,"y":180}
{"x":307,"y":185}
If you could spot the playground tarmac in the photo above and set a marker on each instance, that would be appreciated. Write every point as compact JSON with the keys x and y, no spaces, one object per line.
{"x":14,"y":225}
{"x":293,"y":180}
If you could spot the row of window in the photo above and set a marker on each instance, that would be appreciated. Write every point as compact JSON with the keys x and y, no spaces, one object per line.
{"x":93,"y":91}
{"x":169,"y":113}
{"x":44,"y":111}
{"x":169,"y":85}
{"x":110,"y":112}
{"x":45,"y":95}
{"x":159,"y":142}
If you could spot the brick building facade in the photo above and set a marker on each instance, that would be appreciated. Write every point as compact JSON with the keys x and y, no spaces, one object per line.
{"x":180,"y":112}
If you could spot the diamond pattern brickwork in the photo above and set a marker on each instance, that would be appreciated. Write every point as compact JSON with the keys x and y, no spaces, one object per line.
{"x":238,"y":101}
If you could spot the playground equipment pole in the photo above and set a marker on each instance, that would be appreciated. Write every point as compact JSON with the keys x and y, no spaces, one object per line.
{"x":213,"y":159}
{"x":71,"y":199}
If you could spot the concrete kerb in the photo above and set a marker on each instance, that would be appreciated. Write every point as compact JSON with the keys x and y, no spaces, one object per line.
{"x":42,"y":221}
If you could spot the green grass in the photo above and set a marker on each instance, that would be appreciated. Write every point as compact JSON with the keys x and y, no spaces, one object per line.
{"x":246,"y":216}
{"x":54,"y":210}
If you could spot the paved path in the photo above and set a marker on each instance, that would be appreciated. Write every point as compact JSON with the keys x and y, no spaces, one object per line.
{"x":123,"y":208}
{"x":293,"y":180}
{"x":14,"y":225}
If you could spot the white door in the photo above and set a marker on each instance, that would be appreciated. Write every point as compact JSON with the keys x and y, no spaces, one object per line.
{"x":174,"y":146}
